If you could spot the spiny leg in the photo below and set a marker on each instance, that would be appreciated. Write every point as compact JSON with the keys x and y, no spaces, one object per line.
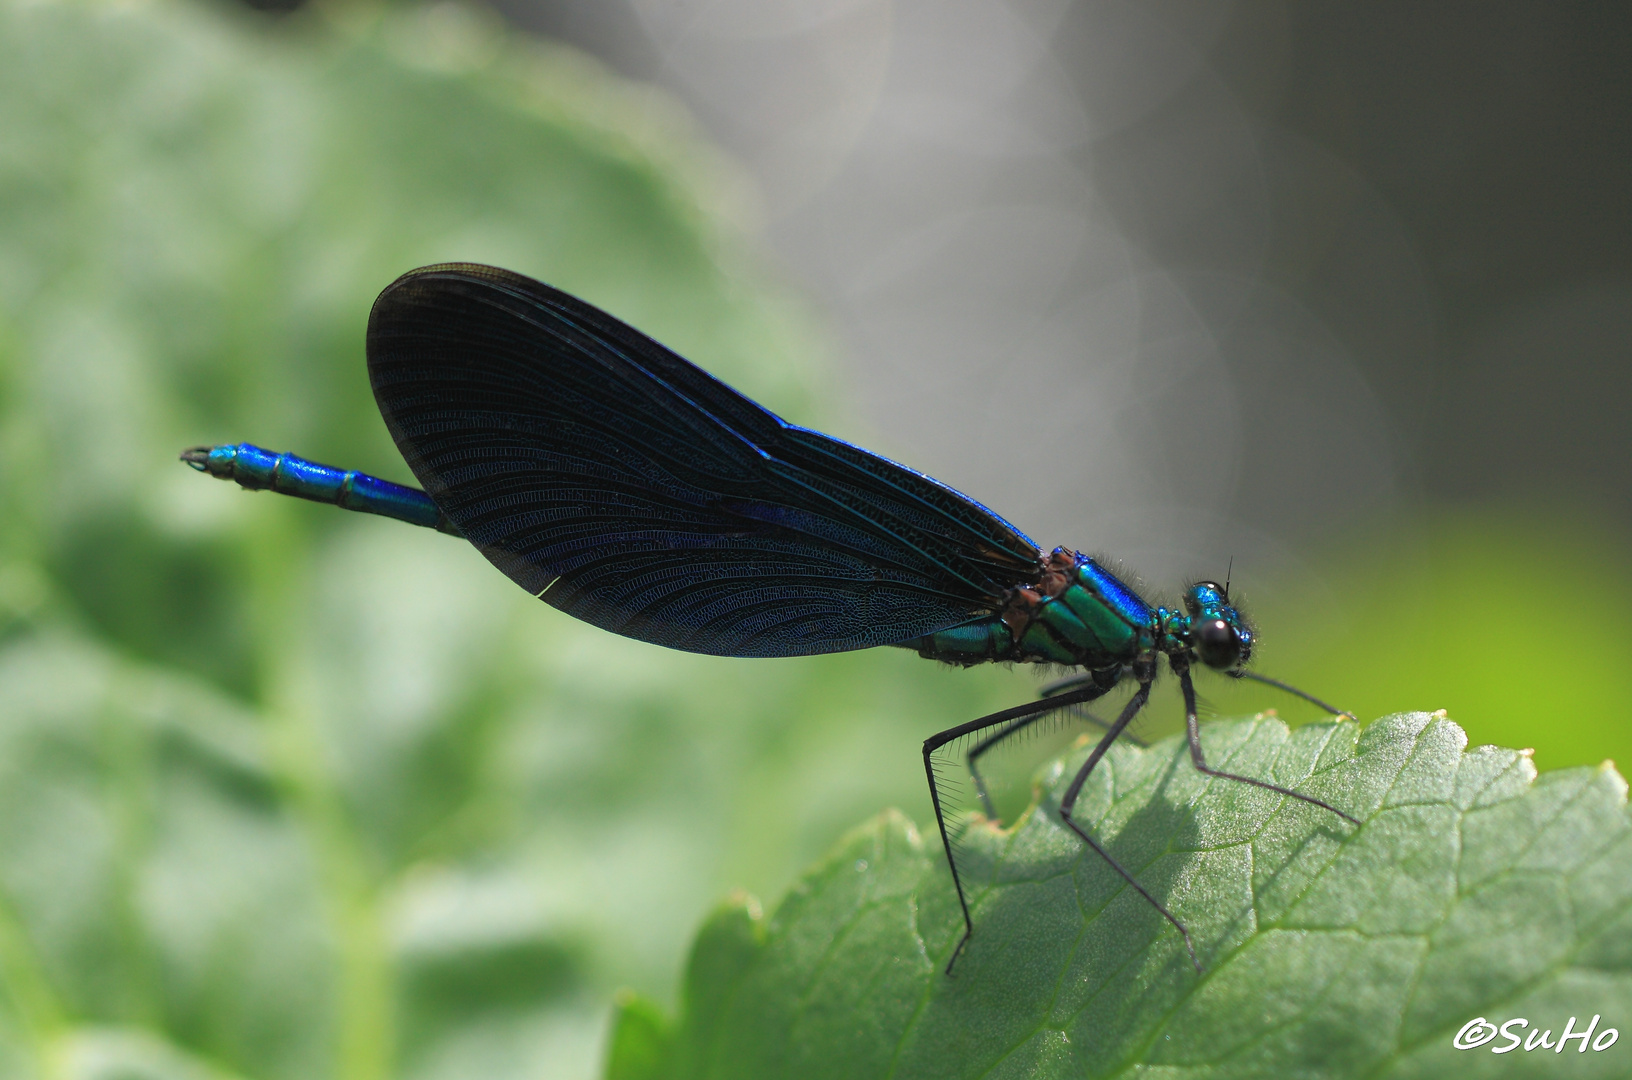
{"x":1294,"y":691}
{"x":935,"y":742}
{"x":1014,"y":727}
{"x":1200,"y":761}
{"x":1067,"y":684}
{"x":1146,"y":671}
{"x":1073,"y":682}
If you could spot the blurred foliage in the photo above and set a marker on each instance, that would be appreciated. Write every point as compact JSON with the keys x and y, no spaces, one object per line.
{"x":1329,"y":950}
{"x":290,"y":792}
{"x":294,"y":793}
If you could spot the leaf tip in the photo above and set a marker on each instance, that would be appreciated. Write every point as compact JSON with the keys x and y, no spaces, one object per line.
{"x":639,"y":1045}
{"x":745,"y":902}
{"x":1608,"y":770}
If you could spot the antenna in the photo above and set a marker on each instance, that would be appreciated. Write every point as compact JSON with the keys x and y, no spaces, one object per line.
{"x":1227,"y":571}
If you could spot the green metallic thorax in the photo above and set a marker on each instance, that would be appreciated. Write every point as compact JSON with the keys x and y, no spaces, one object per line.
{"x":1078,"y":614}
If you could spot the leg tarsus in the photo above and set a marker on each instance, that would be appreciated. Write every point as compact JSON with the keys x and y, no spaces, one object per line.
{"x":935,"y":742}
{"x":1069,"y":801}
{"x":1199,"y":760}
{"x":1131,"y":880}
{"x":968,"y":931}
{"x":1294,"y":691}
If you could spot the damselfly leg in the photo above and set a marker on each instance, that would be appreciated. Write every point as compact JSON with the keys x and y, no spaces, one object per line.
{"x":1008,"y":717}
{"x":1145,"y":671}
{"x":1015,"y":727}
{"x":1294,"y":691}
{"x":1193,"y":730}
{"x":1072,"y":693}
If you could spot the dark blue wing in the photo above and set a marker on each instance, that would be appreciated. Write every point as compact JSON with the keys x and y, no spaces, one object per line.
{"x":635,"y":491}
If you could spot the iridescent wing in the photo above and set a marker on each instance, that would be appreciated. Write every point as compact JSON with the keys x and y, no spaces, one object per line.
{"x":633,"y":490}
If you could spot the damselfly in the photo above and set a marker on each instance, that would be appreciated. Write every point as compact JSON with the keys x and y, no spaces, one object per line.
{"x":629,"y":488}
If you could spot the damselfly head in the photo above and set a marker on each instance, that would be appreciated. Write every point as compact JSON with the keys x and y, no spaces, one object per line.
{"x":1219,"y":634}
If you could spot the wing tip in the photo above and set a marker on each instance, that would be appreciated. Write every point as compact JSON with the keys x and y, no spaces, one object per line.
{"x":469,"y":272}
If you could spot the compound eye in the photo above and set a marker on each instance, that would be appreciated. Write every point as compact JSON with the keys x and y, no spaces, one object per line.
{"x":1217,"y":644}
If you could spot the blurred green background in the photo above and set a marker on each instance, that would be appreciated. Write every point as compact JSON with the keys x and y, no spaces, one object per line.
{"x":286,"y":792}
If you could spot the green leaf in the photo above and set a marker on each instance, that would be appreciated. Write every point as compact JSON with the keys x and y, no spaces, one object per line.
{"x":641,"y":1040}
{"x":151,"y":878}
{"x":1472,"y":888}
